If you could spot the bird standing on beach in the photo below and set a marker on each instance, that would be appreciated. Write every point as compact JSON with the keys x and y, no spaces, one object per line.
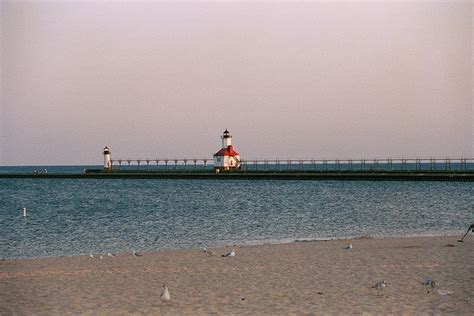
{"x":348,"y":247}
{"x":430,"y":284}
{"x":111,"y":255}
{"x":136,"y":254}
{"x":230,"y":254}
{"x":209,"y":252}
{"x":165,"y":294}
{"x":379,"y":285}
{"x":91,"y":255}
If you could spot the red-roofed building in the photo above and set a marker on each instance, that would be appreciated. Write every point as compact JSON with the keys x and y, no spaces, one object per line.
{"x":226,"y":158}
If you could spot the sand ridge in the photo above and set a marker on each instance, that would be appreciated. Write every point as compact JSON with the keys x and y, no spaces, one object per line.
{"x":295,"y":278}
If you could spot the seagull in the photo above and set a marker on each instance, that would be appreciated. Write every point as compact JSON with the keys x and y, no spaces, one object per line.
{"x":430,"y":283}
{"x":209,"y":252}
{"x":165,"y":294}
{"x":445,"y":292}
{"x":379,"y":285}
{"x":91,"y":255}
{"x":136,"y":254}
{"x":348,"y":247}
{"x":230,"y":254}
{"x":110,"y":255}
{"x":101,"y":257}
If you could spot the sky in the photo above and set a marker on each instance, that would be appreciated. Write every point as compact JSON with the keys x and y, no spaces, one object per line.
{"x":288,"y":79}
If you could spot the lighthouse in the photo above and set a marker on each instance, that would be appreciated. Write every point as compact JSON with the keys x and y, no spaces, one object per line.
{"x":226,"y":158}
{"x":107,"y":160}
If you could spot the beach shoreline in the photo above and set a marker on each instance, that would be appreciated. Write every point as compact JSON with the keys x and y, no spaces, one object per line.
{"x":297,"y":277}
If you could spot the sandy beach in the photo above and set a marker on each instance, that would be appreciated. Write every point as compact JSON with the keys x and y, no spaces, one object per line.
{"x":296,"y":278}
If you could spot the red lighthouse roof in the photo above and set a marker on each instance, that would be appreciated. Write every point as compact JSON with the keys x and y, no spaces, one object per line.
{"x":227,"y":151}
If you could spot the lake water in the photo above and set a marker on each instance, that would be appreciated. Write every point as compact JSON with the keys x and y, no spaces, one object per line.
{"x":78,"y":216}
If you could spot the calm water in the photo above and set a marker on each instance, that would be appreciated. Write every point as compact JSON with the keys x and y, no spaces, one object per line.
{"x":72,"y":217}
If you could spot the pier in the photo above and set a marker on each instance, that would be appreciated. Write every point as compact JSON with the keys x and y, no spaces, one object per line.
{"x":227,"y":163}
{"x":375,"y":169}
{"x":326,"y":165}
{"x":255,"y":175}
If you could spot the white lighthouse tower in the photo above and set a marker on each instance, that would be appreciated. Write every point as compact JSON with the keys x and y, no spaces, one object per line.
{"x":107,"y":160}
{"x":226,"y":158}
{"x":226,"y":139}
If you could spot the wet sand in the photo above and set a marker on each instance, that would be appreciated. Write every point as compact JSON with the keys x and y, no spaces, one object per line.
{"x":294,"y":278}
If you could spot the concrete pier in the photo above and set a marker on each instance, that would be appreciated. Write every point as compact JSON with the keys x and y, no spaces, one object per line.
{"x":256,"y":175}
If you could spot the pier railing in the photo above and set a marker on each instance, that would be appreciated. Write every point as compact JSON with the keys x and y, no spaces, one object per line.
{"x":161,"y":164}
{"x":304,"y":165}
{"x":363,"y":164}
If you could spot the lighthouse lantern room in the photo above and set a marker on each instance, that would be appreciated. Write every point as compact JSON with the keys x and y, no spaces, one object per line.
{"x":107,"y":159}
{"x":226,"y":158}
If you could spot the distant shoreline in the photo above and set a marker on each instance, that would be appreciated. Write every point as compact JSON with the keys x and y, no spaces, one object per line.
{"x":258,"y":175}
{"x":269,"y":243}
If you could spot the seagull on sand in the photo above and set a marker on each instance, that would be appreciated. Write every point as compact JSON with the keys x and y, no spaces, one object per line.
{"x":348,"y":247}
{"x":165,"y":294}
{"x":379,"y":285}
{"x":429,"y":282}
{"x":136,"y":254}
{"x":110,"y":255}
{"x":91,"y":255}
{"x":209,"y":252}
{"x":230,"y":254}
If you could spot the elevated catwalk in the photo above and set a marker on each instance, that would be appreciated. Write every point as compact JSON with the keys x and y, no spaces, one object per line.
{"x":327,"y":165}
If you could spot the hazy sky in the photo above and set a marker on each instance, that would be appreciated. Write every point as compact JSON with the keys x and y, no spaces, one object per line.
{"x":289,"y":80}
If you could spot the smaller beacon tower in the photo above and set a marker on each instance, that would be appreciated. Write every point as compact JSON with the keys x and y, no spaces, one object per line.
{"x":226,"y":158}
{"x":107,"y":160}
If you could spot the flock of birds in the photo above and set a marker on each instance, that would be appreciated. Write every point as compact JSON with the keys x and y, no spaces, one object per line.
{"x":109,"y":254}
{"x":165,"y":293}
